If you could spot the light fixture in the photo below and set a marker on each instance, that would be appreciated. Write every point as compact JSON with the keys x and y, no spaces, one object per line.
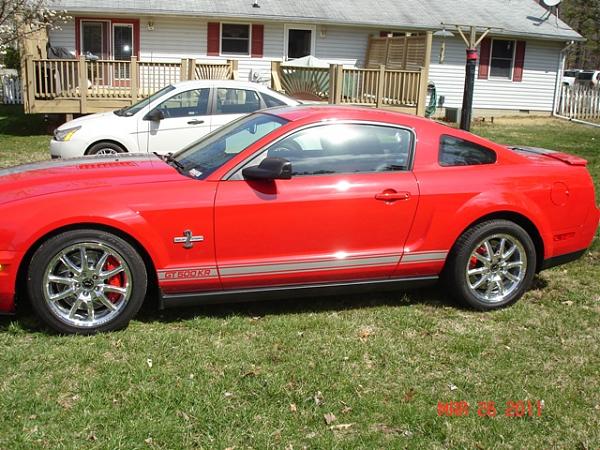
{"x":443,"y":33}
{"x":323,"y":31}
{"x":255,"y":4}
{"x":151,"y":25}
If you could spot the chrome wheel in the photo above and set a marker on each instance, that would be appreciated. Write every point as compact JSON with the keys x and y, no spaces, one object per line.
{"x":106,"y":151}
{"x":496,"y":268}
{"x":87,"y":284}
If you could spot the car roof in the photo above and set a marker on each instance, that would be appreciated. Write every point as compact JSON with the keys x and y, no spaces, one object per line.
{"x":318,"y":113}
{"x":224,"y":83}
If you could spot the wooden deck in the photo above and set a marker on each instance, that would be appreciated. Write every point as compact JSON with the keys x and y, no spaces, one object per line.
{"x":71,"y":86}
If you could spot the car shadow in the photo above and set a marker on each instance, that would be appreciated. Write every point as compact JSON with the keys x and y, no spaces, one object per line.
{"x":433,"y":296}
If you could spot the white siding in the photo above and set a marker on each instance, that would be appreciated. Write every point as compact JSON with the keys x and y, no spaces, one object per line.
{"x":65,"y":37}
{"x":535,"y":92}
{"x":342,"y":45}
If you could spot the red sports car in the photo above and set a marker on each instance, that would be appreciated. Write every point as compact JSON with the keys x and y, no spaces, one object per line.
{"x":284,"y":202}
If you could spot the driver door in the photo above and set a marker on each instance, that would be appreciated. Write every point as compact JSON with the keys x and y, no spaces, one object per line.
{"x":186,"y":119}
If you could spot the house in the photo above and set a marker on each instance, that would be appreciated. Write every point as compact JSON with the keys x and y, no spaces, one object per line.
{"x":519,"y":68}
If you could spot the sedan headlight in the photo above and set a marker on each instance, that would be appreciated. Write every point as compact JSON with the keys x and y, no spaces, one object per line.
{"x":66,"y":134}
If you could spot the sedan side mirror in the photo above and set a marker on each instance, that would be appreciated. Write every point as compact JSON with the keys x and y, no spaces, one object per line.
{"x":156,"y":115}
{"x":269,"y":169}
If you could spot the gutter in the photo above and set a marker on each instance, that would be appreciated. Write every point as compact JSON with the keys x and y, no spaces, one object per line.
{"x":559,"y":76}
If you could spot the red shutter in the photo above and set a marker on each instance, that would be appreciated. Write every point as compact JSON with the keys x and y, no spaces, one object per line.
{"x":213,"y":38}
{"x":258,"y":35}
{"x":484,"y":58}
{"x":519,"y":61}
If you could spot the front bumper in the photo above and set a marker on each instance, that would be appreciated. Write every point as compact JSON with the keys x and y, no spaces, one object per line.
{"x":69,"y":149}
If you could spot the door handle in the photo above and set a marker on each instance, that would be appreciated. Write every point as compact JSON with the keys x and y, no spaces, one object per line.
{"x":195,"y":122}
{"x":390,"y":195}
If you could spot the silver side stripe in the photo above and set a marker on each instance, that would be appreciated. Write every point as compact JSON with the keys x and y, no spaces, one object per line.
{"x":424,"y":257}
{"x":307,"y":266}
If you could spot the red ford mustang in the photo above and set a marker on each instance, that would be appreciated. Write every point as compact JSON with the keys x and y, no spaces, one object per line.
{"x":285,"y":202}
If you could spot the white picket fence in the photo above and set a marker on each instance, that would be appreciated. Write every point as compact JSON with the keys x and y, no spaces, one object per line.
{"x":579,"y":102}
{"x":11,"y":90}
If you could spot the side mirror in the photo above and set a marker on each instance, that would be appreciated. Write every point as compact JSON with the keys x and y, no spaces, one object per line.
{"x":156,"y":115}
{"x":269,"y":169}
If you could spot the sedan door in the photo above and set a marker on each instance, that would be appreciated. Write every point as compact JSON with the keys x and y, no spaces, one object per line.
{"x":343,"y":216}
{"x":185,"y":119}
{"x":231,"y":103}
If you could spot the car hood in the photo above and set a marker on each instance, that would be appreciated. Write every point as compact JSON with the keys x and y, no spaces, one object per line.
{"x":95,"y":118}
{"x":86,"y":173}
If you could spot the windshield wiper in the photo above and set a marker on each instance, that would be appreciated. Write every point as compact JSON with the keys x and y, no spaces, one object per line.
{"x":168,"y":158}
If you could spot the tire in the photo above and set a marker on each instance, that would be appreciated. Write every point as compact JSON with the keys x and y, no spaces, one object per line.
{"x":485,"y":283}
{"x":105,"y":148}
{"x":73,"y":300}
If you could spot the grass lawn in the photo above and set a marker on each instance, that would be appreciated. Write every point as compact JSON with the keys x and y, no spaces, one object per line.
{"x":266,"y":375}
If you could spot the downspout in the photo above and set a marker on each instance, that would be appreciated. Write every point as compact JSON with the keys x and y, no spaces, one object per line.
{"x":562,"y":55}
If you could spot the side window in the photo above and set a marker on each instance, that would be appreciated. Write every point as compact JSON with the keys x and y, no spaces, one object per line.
{"x":184,"y":104}
{"x":345,"y":148}
{"x":458,"y":152}
{"x":271,"y":101}
{"x":237,"y":101}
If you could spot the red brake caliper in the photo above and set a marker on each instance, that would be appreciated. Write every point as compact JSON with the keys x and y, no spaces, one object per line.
{"x":117,"y":280}
{"x":473,"y":260}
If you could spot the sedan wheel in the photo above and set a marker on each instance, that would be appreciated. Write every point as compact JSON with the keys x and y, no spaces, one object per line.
{"x":86,"y":281}
{"x":491,"y":265}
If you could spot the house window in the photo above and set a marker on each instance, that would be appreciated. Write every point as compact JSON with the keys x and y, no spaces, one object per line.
{"x":107,"y":38}
{"x":235,"y":39}
{"x":94,"y":39}
{"x":300,"y":42}
{"x":502,"y":59}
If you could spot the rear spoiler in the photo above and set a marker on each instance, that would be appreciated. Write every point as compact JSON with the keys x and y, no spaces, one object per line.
{"x":572,"y":160}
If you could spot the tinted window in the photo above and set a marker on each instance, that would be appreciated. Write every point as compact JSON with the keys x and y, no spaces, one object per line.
{"x":272,"y":101}
{"x":237,"y":101}
{"x":184,"y":104}
{"x":458,"y":152}
{"x":345,"y":148}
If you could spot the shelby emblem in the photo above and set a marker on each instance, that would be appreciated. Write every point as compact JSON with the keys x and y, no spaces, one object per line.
{"x":188,"y":239}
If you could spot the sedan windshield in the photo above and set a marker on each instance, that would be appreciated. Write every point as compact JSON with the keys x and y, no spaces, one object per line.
{"x":131,"y":110}
{"x":204,"y":157}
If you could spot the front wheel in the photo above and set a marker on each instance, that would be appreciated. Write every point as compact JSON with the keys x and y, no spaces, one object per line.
{"x":491,"y":265}
{"x":86,"y":281}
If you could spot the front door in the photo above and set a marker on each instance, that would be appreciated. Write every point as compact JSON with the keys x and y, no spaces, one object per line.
{"x":344,"y":215}
{"x":185,"y":120}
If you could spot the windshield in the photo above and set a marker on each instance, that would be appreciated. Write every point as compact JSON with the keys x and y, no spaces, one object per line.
{"x":131,"y":110}
{"x":204,"y":157}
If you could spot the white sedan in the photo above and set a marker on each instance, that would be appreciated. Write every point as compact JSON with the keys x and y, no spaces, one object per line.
{"x":165,"y":122}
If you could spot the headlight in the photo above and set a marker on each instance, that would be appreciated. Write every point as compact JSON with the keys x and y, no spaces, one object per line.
{"x":66,"y":134}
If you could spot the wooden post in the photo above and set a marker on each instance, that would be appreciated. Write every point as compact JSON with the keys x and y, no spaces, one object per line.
{"x":332,"y":76}
{"x":29,"y":85}
{"x":424,"y":81}
{"x":83,"y":85}
{"x":133,"y":73}
{"x":234,"y":63}
{"x":380,"y":86}
{"x":191,"y":69}
{"x":183,"y":70}
{"x":275,"y":76}
{"x":339,"y":83}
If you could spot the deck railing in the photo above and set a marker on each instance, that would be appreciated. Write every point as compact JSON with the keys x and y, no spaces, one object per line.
{"x":81,"y":86}
{"x":341,"y":85}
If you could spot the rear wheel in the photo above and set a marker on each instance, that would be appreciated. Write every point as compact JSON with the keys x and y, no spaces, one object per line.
{"x":491,"y":265}
{"x":105,"y":148}
{"x":86,"y":281}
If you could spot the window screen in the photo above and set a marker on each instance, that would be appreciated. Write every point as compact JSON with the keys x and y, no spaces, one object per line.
{"x":502,"y":58}
{"x":235,"y":39}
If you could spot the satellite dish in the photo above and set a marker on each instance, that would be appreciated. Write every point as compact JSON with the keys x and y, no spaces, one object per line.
{"x":551,"y":3}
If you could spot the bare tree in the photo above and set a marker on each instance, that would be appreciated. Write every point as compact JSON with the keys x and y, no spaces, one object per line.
{"x":18,"y":18}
